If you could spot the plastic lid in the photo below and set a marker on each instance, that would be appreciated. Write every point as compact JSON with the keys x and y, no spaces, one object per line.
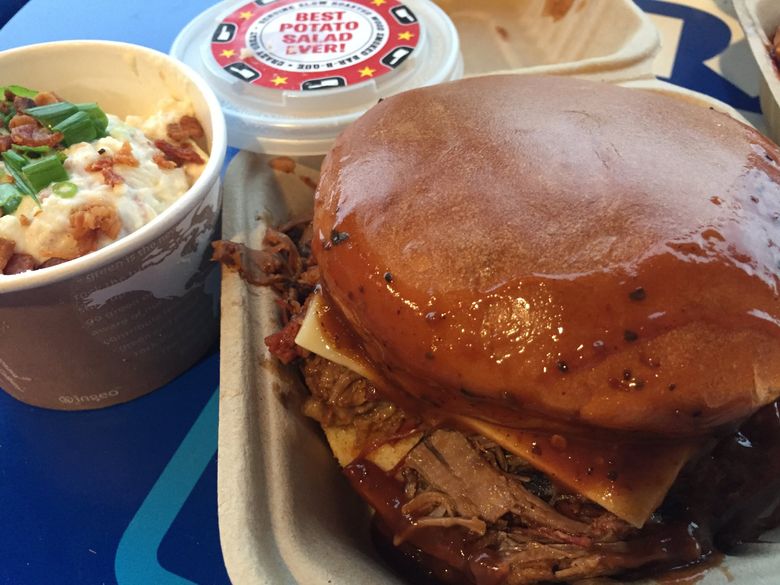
{"x":292,"y":74}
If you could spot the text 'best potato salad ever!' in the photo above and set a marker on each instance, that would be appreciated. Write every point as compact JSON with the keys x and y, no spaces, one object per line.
{"x":73,"y":179}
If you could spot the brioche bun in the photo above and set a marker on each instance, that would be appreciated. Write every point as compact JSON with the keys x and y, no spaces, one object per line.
{"x":515,"y":246}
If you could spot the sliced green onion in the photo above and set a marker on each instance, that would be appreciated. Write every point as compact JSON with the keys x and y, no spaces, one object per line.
{"x":21,"y":91}
{"x":14,"y":159}
{"x":39,"y":149}
{"x":77,"y":128}
{"x":52,"y":114}
{"x":66,"y":189}
{"x":13,"y":164}
{"x":10,"y":198}
{"x":31,"y":153}
{"x":45,"y":171}
{"x":98,"y":116}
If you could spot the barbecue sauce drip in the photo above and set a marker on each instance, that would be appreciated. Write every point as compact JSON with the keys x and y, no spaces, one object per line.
{"x":740,"y":481}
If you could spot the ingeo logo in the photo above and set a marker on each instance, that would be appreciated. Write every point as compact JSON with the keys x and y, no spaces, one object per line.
{"x":88,"y":397}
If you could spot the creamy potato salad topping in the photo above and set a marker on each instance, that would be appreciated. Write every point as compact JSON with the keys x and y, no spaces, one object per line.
{"x":74,"y":179}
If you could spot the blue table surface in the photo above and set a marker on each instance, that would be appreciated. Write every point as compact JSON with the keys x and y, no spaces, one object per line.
{"x":127,"y":495}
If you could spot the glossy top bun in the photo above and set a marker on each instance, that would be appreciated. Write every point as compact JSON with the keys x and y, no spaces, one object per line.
{"x":517,"y":246}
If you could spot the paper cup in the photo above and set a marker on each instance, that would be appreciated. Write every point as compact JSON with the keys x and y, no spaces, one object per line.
{"x":124,"y":320}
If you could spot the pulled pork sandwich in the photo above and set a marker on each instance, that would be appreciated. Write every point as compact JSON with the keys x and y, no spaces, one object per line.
{"x":539,"y":321}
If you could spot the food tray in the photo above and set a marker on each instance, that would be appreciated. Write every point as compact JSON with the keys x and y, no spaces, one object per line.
{"x":601,"y":39}
{"x":286,"y":514}
{"x":759,"y":19}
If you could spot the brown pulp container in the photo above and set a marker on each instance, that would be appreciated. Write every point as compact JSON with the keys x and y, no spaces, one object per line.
{"x":122,"y":321}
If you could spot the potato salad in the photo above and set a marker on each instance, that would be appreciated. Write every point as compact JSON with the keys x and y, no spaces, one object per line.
{"x":74,"y":179}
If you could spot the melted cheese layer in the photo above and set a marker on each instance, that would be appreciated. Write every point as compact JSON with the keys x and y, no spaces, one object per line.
{"x":628,"y":479}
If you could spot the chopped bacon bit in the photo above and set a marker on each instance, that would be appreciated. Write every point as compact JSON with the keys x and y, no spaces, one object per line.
{"x":105,"y":166}
{"x":19,"y":263}
{"x":125,"y":156}
{"x":162,"y":162}
{"x":92,"y":219}
{"x":34,"y":135}
{"x":112,"y":178}
{"x":6,"y":251}
{"x":283,"y":164}
{"x":21,"y":120}
{"x":51,"y":262}
{"x":282,"y":343}
{"x":5,"y":142}
{"x":187,"y":127}
{"x":22,"y":103}
{"x":180,"y":154}
{"x":192,"y":126}
{"x":44,"y":98}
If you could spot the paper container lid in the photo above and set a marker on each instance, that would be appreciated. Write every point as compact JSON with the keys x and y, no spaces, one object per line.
{"x":292,"y":74}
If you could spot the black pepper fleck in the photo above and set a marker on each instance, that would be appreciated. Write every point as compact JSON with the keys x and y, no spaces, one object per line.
{"x":612,"y":475}
{"x":562,"y":366}
{"x":101,"y":151}
{"x":337,"y":237}
{"x":672,"y":387}
{"x":638,"y":294}
{"x":627,"y":374}
{"x":388,"y":277}
{"x":629,"y":335}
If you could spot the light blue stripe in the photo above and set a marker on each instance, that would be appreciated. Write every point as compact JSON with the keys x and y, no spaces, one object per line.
{"x":136,"y":557}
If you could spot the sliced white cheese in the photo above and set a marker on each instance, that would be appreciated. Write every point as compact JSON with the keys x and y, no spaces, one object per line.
{"x":312,"y":337}
{"x":631,"y":491}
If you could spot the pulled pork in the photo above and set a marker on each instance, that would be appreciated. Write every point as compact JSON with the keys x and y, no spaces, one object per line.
{"x":285,"y":264}
{"x":533,"y":531}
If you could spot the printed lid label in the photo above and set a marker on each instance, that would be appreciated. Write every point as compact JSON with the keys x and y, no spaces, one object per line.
{"x":314,"y":44}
